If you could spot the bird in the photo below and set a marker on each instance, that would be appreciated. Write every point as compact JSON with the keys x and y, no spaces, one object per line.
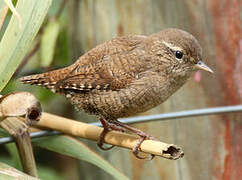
{"x":125,"y":76}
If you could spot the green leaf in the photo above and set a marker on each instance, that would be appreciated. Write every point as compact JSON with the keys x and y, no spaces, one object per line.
{"x":3,"y":13}
{"x":14,"y":11}
{"x":62,"y":55}
{"x":2,"y":7}
{"x":13,"y":151}
{"x":3,"y":133}
{"x":49,"y":173}
{"x":16,"y":41}
{"x":72,"y":147}
{"x":9,"y":173}
{"x":48,"y":42}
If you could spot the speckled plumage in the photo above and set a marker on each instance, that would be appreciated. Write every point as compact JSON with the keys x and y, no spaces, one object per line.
{"x":126,"y":75}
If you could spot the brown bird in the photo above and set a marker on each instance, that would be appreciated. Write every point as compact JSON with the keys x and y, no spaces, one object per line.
{"x":125,"y":76}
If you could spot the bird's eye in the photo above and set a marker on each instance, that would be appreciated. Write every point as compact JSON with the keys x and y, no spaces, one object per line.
{"x":179,"y":54}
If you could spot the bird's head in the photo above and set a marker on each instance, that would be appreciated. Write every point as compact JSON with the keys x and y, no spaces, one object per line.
{"x":180,"y":50}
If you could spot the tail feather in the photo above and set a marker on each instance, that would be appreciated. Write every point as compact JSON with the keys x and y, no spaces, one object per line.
{"x":44,"y":80}
{"x":48,"y":79}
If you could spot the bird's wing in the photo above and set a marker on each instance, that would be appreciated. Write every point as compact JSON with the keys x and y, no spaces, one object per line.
{"x":115,"y":68}
{"x":83,"y":82}
{"x":114,"y":46}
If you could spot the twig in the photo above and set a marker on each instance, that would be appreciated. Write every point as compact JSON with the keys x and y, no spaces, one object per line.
{"x":13,"y":107}
{"x":148,"y":118}
{"x":19,"y":131}
{"x":91,"y":132}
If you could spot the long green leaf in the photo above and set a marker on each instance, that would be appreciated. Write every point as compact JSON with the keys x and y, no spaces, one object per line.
{"x":14,"y":11}
{"x":13,"y":152}
{"x":3,"y":13}
{"x":16,"y":41}
{"x":72,"y":147}
{"x":48,"y":42}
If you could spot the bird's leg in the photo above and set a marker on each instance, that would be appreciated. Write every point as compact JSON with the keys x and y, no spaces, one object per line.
{"x":107,"y":126}
{"x":143,"y":136}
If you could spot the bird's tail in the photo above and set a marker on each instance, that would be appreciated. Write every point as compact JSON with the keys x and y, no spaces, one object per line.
{"x":38,"y":79}
{"x":47,"y":80}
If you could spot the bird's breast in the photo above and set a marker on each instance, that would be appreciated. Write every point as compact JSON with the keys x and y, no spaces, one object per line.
{"x":128,"y":101}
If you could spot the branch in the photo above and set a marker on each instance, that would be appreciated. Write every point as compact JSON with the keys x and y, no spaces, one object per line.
{"x":147,"y":118}
{"x":91,"y":132}
{"x":13,"y":107}
{"x":19,"y":131}
{"x":23,"y":104}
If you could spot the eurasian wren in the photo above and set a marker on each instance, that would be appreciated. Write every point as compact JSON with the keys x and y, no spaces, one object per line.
{"x":125,"y":76}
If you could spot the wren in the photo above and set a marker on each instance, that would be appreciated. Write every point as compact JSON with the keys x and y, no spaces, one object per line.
{"x":125,"y":76}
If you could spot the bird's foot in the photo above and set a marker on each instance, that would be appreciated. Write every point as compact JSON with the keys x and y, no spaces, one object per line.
{"x":107,"y":127}
{"x":101,"y":140}
{"x":136,"y":148}
{"x":143,"y":136}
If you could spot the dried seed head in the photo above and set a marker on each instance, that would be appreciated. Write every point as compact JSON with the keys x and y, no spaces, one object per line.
{"x":20,"y":104}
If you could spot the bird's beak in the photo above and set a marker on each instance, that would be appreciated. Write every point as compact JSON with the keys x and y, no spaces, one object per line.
{"x":202,"y":66}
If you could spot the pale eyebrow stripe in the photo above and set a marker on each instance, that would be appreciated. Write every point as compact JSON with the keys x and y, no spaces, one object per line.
{"x":171,"y":46}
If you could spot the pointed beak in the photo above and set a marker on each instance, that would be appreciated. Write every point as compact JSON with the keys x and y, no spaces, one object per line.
{"x":202,"y":66}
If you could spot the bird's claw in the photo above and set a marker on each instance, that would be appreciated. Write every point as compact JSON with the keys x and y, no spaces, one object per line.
{"x":100,"y":145}
{"x":143,"y":136}
{"x":107,"y":127}
{"x":136,"y":148}
{"x":122,"y":127}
